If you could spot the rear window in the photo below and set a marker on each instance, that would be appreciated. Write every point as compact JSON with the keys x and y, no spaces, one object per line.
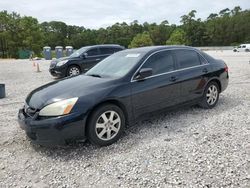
{"x":118,"y":49}
{"x":207,"y":57}
{"x":107,"y":50}
{"x":93,"y":52}
{"x":187,"y":58}
{"x":202,"y":59}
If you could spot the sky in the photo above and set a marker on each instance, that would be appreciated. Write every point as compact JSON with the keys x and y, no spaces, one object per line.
{"x":95,"y":14}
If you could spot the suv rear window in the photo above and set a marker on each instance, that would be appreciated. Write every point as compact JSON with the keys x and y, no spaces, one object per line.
{"x":187,"y":58}
{"x":107,"y":50}
{"x":93,"y":52}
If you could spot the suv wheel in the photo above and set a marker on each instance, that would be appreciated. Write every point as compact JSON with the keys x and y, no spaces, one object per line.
{"x":73,"y":71}
{"x":106,"y":125}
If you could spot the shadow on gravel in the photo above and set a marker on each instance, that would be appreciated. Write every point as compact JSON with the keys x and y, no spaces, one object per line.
{"x":130,"y":139}
{"x":161,"y":123}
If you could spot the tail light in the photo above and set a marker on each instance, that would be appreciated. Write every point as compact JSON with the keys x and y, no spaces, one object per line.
{"x":226,"y":68}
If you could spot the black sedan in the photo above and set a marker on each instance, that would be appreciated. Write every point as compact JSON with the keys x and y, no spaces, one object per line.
{"x":121,"y":89}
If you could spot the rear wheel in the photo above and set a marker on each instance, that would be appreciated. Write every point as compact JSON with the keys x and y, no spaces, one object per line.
{"x":210,"y":96}
{"x":106,"y":125}
{"x":73,"y":71}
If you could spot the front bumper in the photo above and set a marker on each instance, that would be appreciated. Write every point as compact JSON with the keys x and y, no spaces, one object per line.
{"x":53,"y":131}
{"x":58,"y":71}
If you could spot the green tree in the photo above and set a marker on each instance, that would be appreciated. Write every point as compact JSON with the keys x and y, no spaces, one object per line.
{"x":225,"y":27}
{"x":8,"y":33}
{"x":178,"y":37}
{"x":195,"y":29}
{"x":141,"y":40}
{"x":55,"y":33}
{"x":229,"y":27}
{"x":160,"y":33}
{"x":31,"y":35}
{"x":4,"y":33}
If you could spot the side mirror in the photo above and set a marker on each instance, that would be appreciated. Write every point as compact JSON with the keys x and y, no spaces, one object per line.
{"x":144,"y":73}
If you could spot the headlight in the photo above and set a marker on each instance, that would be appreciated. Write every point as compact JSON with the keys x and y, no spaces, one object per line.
{"x":60,"y":63}
{"x":58,"y":108}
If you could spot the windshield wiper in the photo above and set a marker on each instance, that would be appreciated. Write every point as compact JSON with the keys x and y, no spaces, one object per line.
{"x":95,"y":75}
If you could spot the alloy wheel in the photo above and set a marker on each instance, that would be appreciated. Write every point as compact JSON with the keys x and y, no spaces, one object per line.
{"x":73,"y":71}
{"x":108,"y":125}
{"x":212,"y":95}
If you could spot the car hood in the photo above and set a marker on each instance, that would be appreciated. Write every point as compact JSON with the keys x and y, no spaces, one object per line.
{"x":63,"y":58}
{"x":78,"y":86}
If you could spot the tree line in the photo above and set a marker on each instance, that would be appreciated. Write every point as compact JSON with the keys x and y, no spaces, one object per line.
{"x":228,"y":27}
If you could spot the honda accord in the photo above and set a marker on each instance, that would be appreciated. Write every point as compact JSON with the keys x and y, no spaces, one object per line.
{"x":121,"y":89}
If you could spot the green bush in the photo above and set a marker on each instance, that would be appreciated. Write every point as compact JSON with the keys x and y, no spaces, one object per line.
{"x":178,"y":37}
{"x":141,"y":40}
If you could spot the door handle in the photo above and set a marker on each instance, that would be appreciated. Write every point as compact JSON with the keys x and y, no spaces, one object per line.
{"x":173,"y":78}
{"x":98,"y":59}
{"x":205,"y":70}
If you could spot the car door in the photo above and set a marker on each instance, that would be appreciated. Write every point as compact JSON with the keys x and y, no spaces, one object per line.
{"x":193,"y":72}
{"x":92,"y":57}
{"x":159,"y":90}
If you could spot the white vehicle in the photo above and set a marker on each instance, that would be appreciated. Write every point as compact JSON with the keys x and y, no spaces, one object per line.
{"x":242,"y":48}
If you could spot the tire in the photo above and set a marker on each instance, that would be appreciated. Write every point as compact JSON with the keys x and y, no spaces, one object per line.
{"x":247,"y":50}
{"x":211,"y":96}
{"x":73,"y":70}
{"x":106,"y":125}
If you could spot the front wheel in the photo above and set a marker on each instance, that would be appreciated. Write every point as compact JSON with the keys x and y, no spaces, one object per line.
{"x":106,"y":125}
{"x":210,"y":96}
{"x":73,"y":71}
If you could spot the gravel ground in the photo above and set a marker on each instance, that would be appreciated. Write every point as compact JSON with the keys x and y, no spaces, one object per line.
{"x":189,"y":147}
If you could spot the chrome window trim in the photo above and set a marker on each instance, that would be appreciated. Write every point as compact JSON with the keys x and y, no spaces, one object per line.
{"x":169,"y":72}
{"x":132,"y":80}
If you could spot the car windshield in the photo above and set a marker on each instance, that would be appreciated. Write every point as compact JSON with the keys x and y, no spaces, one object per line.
{"x":77,"y":53}
{"x":116,"y":65}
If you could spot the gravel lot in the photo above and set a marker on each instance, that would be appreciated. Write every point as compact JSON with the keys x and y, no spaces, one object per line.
{"x":189,"y":147}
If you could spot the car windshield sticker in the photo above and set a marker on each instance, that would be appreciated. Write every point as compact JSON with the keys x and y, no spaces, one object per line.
{"x":133,"y":55}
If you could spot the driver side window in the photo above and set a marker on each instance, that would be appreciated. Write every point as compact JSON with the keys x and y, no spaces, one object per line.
{"x":161,"y":62}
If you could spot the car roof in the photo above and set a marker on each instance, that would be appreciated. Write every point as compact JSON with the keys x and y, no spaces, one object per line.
{"x":157,"y":48}
{"x":104,"y":45}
